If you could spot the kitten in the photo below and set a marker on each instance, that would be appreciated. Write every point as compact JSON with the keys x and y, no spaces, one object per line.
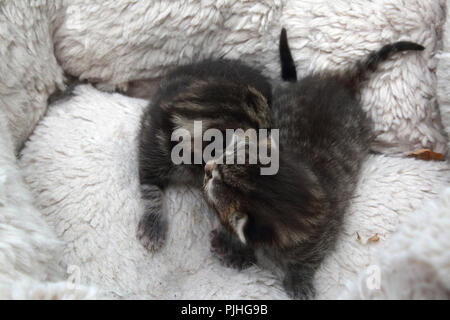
{"x":223,"y":94}
{"x":288,"y":222}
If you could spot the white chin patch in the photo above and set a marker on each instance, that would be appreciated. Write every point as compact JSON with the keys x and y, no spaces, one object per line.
{"x":209,"y":185}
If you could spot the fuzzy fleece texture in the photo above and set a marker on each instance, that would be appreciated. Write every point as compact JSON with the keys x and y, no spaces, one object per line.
{"x":80,"y":162}
{"x":113,"y":42}
{"x":31,"y":264}
{"x":417,"y":262}
{"x":27,"y":242}
{"x":29,"y":72}
{"x":443,"y":77}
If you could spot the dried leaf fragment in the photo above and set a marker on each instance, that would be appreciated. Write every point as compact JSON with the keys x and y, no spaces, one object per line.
{"x":427,"y":155}
{"x":374,"y":238}
{"x":358,"y":237}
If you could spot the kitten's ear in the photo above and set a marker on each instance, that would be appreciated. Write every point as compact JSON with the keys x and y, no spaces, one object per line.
{"x":238,"y":221}
{"x":257,"y":96}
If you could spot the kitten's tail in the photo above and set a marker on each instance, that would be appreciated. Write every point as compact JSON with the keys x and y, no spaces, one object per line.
{"x":288,"y":72}
{"x":370,"y":64}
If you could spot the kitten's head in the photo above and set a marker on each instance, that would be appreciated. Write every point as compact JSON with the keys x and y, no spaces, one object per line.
{"x":276,"y":210}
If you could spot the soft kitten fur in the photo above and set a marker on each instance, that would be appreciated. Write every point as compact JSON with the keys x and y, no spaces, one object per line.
{"x":290,"y":221}
{"x":223,"y":94}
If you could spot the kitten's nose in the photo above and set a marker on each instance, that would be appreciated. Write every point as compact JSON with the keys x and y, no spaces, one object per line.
{"x":209,"y":167}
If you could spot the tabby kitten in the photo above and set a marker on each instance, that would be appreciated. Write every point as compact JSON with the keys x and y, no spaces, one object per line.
{"x":288,"y":222}
{"x":223,"y":94}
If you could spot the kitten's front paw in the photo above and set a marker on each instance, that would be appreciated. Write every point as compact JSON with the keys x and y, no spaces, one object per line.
{"x":222,"y":248}
{"x":152,"y":232}
{"x":299,"y":290}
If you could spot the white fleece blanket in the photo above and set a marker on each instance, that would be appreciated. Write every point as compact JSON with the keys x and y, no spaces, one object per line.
{"x":80,"y":162}
{"x":113,"y":42}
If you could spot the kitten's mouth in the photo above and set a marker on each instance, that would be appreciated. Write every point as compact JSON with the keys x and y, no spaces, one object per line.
{"x":209,"y":167}
{"x":206,"y":179}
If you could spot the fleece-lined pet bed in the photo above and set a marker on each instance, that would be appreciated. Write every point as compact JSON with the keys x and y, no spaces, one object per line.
{"x":80,"y":161}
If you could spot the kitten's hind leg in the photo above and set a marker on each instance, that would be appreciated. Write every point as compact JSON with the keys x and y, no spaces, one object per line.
{"x":230,"y":251}
{"x":152,"y":226}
